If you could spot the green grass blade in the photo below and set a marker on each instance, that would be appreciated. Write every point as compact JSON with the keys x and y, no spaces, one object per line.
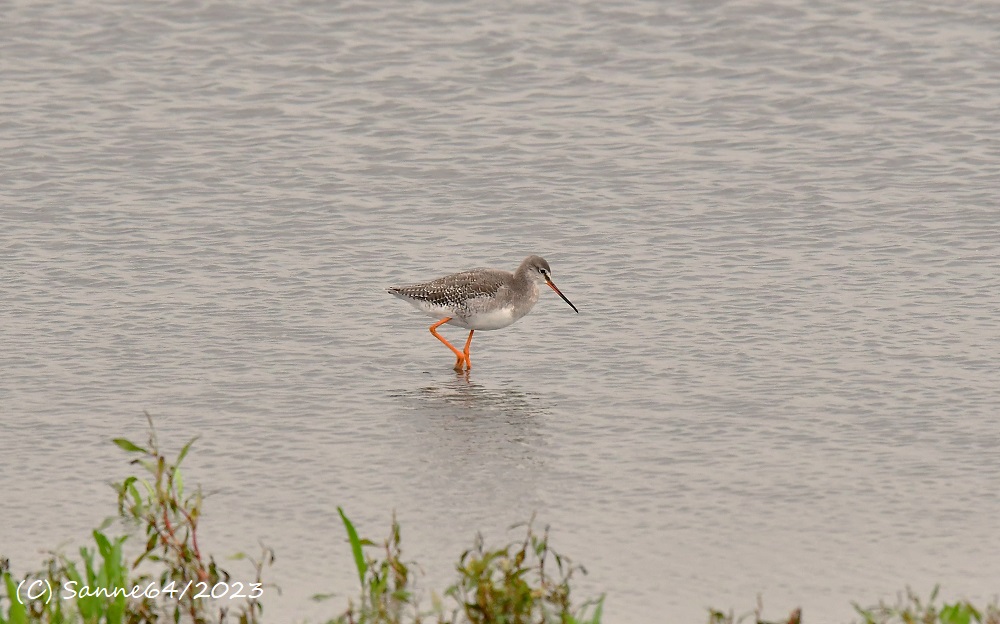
{"x":598,"y":611}
{"x":184,"y":451}
{"x":17,"y":613}
{"x":125,"y":445}
{"x":359,"y":556}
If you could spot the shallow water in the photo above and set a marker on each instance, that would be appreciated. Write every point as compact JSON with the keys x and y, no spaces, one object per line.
{"x":779,"y":222}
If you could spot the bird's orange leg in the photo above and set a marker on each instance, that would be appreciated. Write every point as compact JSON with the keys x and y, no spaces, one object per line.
{"x":458,"y":354}
{"x":468,"y":362}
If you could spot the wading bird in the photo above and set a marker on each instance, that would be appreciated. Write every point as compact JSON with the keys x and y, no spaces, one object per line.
{"x":480,"y":299}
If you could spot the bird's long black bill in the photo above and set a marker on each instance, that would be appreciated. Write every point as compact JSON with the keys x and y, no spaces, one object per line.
{"x":558,"y":292}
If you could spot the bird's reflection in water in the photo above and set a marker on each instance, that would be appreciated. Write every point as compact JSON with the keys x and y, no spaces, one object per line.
{"x":465,"y":418}
{"x":473,"y":450}
{"x":466,"y":394}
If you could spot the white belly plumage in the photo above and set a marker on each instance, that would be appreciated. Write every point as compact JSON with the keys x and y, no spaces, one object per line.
{"x":493,"y":319}
{"x":497,"y":318}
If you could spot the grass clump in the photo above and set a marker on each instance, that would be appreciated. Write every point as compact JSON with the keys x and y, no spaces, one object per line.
{"x":507,"y":585}
{"x":170,"y":581}
{"x":756,"y":616}
{"x":510,"y":584}
{"x":91,"y":585}
{"x":909,"y":608}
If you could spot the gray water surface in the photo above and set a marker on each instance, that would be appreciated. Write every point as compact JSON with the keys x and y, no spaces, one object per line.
{"x":780,"y":222}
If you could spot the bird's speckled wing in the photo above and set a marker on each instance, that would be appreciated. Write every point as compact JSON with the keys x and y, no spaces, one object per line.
{"x":455,"y":291}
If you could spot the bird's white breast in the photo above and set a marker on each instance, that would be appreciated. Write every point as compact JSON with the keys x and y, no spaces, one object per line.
{"x":488,"y":319}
